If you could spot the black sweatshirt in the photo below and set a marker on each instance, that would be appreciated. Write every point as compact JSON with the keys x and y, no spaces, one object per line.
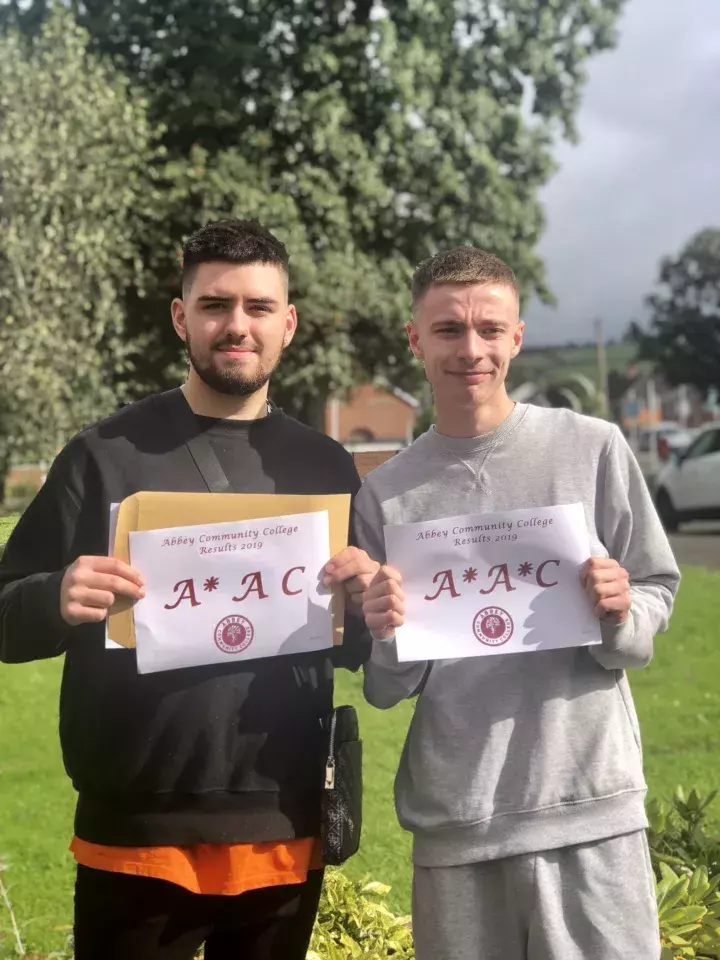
{"x":217,"y":754}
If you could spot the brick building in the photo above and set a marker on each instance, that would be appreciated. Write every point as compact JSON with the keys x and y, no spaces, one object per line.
{"x":372,"y":418}
{"x":373,"y":423}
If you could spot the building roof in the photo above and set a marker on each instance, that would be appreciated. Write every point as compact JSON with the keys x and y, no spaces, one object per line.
{"x":405,"y":397}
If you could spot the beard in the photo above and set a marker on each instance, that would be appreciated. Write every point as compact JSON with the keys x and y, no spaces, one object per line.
{"x":229,"y":382}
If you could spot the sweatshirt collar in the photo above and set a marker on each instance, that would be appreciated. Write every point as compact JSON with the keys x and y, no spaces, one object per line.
{"x":468,"y":446}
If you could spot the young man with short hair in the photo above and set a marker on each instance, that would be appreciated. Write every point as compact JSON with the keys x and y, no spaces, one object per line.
{"x":199,"y":789}
{"x":521,"y":778}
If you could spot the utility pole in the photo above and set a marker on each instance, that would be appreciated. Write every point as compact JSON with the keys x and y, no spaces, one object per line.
{"x":602,"y":370}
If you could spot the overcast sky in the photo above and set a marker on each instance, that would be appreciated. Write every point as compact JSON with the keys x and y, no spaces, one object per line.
{"x":645,"y":175}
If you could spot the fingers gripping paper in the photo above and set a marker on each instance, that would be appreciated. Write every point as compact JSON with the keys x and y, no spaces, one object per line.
{"x":157,"y":511}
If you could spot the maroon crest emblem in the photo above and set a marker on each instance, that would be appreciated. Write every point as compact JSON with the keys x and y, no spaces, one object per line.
{"x":493,"y":626}
{"x":234,"y":634}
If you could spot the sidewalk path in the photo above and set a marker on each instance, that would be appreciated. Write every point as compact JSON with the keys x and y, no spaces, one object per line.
{"x":698,"y":544}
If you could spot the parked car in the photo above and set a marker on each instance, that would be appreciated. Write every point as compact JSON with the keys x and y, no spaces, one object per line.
{"x":657,"y":443}
{"x":688,"y":487}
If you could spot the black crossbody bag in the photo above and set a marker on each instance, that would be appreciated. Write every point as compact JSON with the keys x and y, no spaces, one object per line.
{"x":341,"y":820}
{"x":341,"y":803}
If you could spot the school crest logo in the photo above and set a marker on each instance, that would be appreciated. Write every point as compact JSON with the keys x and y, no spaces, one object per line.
{"x":493,"y":626}
{"x":234,"y":634}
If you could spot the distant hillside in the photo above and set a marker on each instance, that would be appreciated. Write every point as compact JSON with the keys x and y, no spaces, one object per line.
{"x":541,"y":363}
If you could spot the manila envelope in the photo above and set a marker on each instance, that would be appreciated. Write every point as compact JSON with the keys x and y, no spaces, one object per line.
{"x":158,"y":511}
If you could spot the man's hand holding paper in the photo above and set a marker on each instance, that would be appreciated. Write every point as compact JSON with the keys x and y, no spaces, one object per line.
{"x":91,"y":586}
{"x":353,"y":568}
{"x":384,"y":604}
{"x":607,"y":585}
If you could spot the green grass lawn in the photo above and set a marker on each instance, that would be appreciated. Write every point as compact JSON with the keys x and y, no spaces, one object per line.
{"x":678,"y":700}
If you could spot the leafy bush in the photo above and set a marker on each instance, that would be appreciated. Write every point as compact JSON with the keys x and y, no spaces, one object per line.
{"x":687,"y":867}
{"x":354,"y":922}
{"x":677,"y":832}
{"x":689,"y":911}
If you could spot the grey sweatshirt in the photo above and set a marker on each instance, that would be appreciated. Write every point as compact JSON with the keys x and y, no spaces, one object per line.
{"x":518,"y":753}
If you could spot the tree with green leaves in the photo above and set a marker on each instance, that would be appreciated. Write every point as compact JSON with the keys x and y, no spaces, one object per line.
{"x":376,"y":133}
{"x":683,"y":336}
{"x":76,"y":148}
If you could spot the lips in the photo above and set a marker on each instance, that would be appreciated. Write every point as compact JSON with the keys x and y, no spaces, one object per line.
{"x":234,"y":351}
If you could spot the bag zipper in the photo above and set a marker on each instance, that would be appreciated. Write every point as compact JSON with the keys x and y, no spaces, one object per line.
{"x":330,"y":765}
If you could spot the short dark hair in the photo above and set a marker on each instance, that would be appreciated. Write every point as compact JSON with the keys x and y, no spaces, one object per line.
{"x":232,"y":241}
{"x":464,"y":264}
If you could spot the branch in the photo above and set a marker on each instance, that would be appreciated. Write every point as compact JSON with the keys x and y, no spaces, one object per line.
{"x":363,"y":9}
{"x":5,"y":896}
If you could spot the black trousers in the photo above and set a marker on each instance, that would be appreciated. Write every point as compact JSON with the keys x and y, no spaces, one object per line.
{"x":121,"y":917}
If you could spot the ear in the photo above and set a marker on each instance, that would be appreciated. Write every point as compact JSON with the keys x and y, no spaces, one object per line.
{"x":414,"y":339}
{"x":517,"y":339}
{"x":177,"y":311}
{"x":291,"y":322}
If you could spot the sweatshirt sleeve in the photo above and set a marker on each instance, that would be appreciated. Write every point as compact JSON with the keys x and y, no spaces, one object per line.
{"x":387,"y":681}
{"x":631,"y":531}
{"x":32,"y":568}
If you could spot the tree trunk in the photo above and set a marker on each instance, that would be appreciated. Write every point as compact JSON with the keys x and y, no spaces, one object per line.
{"x":314,"y":415}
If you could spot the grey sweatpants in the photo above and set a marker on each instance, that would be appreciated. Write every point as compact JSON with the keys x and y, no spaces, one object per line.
{"x":595,"y":901}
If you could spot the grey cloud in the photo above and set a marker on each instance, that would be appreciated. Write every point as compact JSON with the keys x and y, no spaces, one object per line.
{"x":646,"y":174}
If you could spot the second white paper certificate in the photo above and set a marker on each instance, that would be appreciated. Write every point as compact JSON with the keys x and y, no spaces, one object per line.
{"x":490,"y":584}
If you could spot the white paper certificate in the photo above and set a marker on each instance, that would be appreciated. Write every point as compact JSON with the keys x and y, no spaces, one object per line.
{"x":227,"y":592}
{"x":493,"y":583}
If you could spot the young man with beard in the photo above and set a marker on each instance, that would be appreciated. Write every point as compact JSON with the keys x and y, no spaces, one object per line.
{"x":521,"y":778}
{"x":199,"y":789}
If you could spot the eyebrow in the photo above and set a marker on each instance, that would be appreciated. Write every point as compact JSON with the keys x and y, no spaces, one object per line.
{"x":209,"y":298}
{"x":270,"y":301}
{"x":463,"y":323}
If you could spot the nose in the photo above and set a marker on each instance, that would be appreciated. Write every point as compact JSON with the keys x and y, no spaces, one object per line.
{"x":471,"y":347}
{"x":238,"y":322}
